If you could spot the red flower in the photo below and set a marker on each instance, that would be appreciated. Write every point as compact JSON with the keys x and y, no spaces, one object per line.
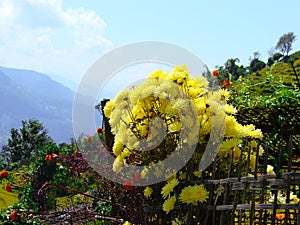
{"x":76,"y":152}
{"x":226,"y":83}
{"x":280,"y":216}
{"x":23,"y":216}
{"x":215,"y":73}
{"x":3,"y":174}
{"x":89,"y":139}
{"x":50,"y":157}
{"x":8,"y":187}
{"x":128,"y":185}
{"x":13,"y":215}
{"x":100,"y":130}
{"x":137,"y":177}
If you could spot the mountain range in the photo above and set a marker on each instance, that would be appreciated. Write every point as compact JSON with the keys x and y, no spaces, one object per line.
{"x":27,"y":94}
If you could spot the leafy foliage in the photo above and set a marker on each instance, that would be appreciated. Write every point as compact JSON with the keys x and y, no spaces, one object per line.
{"x":271,"y":102}
{"x":25,"y":142}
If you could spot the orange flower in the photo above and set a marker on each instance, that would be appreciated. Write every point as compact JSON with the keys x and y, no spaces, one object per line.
{"x":89,"y":139}
{"x":50,"y":157}
{"x":76,"y":152}
{"x":13,"y":215}
{"x":137,"y":177}
{"x":100,"y":130}
{"x":23,"y":216}
{"x":226,"y":83}
{"x":280,"y":216}
{"x":215,"y":73}
{"x":8,"y":187}
{"x":3,"y":174}
{"x":128,"y":185}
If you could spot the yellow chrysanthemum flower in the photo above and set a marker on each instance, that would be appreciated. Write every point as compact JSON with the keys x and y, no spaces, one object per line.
{"x":117,"y":165}
{"x":148,"y":192}
{"x":231,"y":126}
{"x":127,"y":223}
{"x":225,"y":94}
{"x":237,"y":154}
{"x":193,"y":194}
{"x":197,"y":173}
{"x":194,"y":92}
{"x":230,"y":143}
{"x":117,"y":147}
{"x":182,"y":175}
{"x":202,"y":81}
{"x":121,"y":96}
{"x":158,"y":172}
{"x":156,"y":74}
{"x":256,"y":134}
{"x":270,"y":169}
{"x":181,"y":69}
{"x":230,"y":109}
{"x":169,"y":204}
{"x":200,"y":105}
{"x":252,"y":162}
{"x":253,"y":144}
{"x":294,"y":198}
{"x":168,"y":188}
{"x":174,"y":127}
{"x":144,"y":173}
{"x":108,"y":108}
{"x":138,"y":113}
{"x":114,"y":119}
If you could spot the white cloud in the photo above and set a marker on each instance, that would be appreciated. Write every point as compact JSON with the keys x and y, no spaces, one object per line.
{"x":40,"y":35}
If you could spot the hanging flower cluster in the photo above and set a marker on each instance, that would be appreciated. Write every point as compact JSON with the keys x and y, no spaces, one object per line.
{"x":153,"y":119}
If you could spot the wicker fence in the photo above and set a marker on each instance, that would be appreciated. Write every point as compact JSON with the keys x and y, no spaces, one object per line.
{"x":259,"y":198}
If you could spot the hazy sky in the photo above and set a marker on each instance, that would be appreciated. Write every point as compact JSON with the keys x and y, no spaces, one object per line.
{"x":65,"y":37}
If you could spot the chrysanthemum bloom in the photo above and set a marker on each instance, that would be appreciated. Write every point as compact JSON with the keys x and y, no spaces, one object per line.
{"x":3,"y":174}
{"x":169,"y":204}
{"x":148,"y":192}
{"x":100,"y":130}
{"x":270,"y":169}
{"x":294,"y":199}
{"x":215,"y":73}
{"x":138,"y":177}
{"x":50,"y":157}
{"x":280,"y":216}
{"x":226,"y":83}
{"x":197,"y":173}
{"x":88,"y":139}
{"x":76,"y":152}
{"x":194,"y":194}
{"x":23,"y":216}
{"x":128,"y":185}
{"x":13,"y":215}
{"x":8,"y":187}
{"x":168,"y":188}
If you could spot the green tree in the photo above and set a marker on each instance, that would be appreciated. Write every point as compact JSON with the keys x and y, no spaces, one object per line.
{"x":285,"y":43}
{"x":257,"y":65}
{"x":277,"y":56}
{"x":23,"y":143}
{"x":270,"y":61}
{"x":232,"y":67}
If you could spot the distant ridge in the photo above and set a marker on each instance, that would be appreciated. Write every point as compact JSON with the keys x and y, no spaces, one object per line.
{"x":27,"y":94}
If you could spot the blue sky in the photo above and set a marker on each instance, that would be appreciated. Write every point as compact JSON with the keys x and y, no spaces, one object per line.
{"x":65,"y":37}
